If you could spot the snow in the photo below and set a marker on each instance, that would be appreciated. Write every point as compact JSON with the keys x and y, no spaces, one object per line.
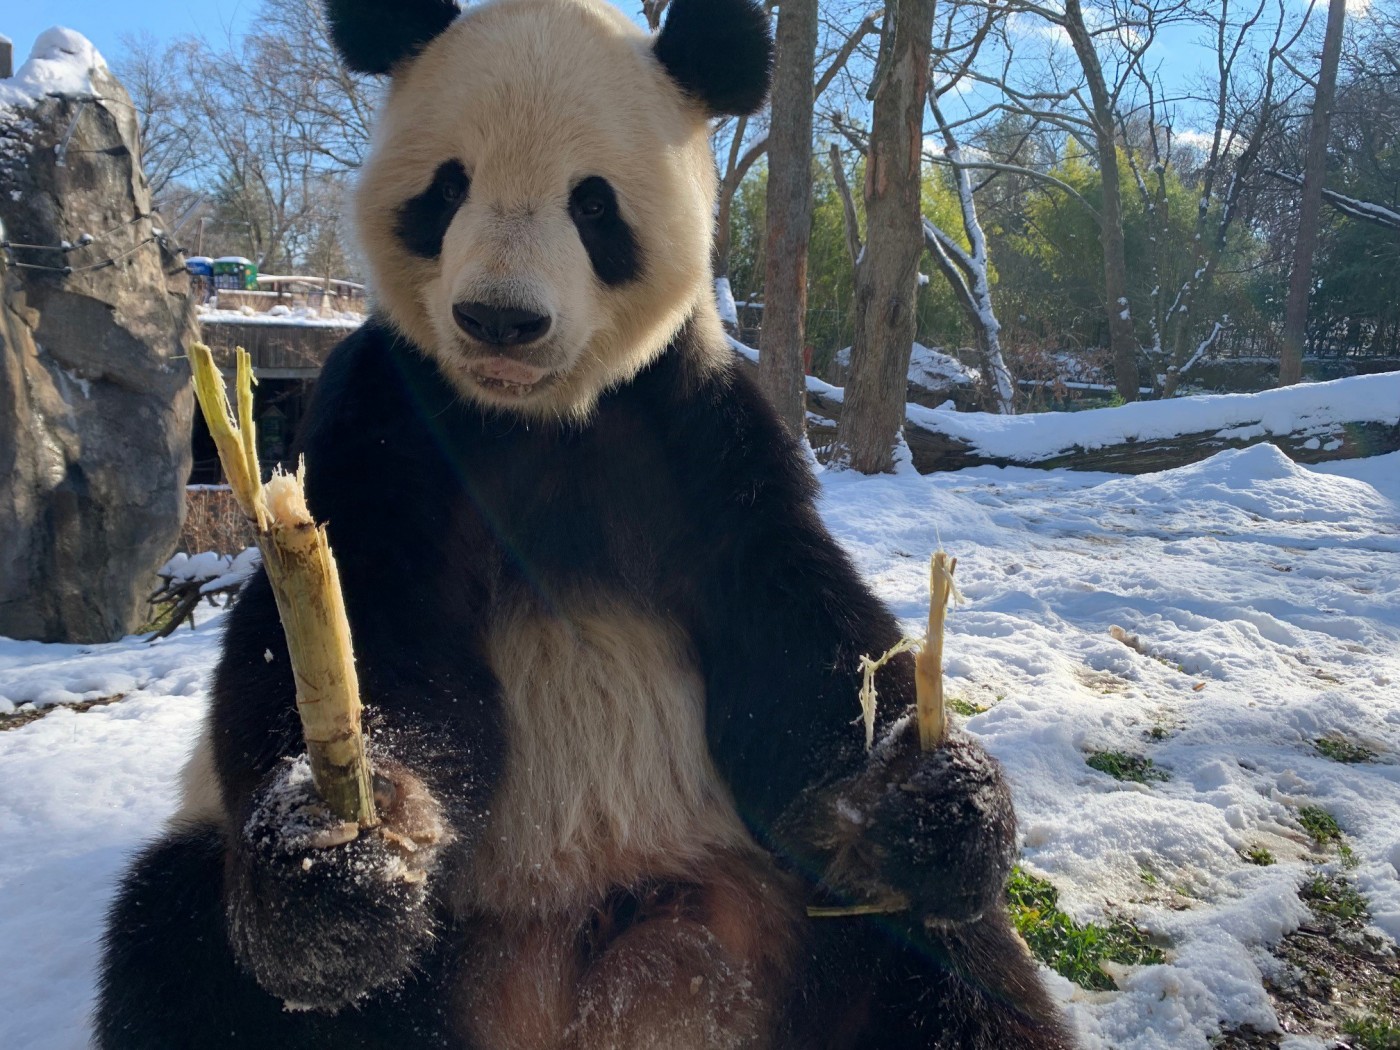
{"x":928,"y":368}
{"x":724,"y":299}
{"x":282,"y":316}
{"x":61,"y":63}
{"x":1263,"y":602}
{"x":215,"y":571}
{"x":1308,"y":406}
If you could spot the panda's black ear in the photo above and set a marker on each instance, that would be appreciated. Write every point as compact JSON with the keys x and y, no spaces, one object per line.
{"x":720,"y":52}
{"x":374,"y":36}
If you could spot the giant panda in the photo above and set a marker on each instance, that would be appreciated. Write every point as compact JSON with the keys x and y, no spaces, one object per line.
{"x":609,"y":650}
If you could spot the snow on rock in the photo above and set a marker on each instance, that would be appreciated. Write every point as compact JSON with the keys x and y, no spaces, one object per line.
{"x":1264,"y":598}
{"x":61,"y":63}
{"x":1290,"y":410}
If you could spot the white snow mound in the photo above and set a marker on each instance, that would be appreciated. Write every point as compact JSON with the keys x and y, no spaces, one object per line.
{"x":61,"y":63}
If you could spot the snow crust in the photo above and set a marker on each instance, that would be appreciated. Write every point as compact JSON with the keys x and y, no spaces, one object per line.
{"x":61,"y":63}
{"x":1265,"y":600}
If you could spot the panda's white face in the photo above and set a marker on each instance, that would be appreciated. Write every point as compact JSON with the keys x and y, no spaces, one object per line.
{"x":537,"y":207}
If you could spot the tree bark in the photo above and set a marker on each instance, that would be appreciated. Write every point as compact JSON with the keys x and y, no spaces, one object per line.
{"x":887,"y":277}
{"x":789,"y":219}
{"x":1295,"y":315}
{"x":1121,"y":339}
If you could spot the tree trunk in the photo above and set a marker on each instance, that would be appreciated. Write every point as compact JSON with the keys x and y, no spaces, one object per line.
{"x":789,"y":220}
{"x":1121,"y":339}
{"x":1295,"y":315}
{"x":887,"y":278}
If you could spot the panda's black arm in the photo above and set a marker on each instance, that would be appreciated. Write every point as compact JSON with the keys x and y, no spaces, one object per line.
{"x":784,"y":618}
{"x":387,"y":500}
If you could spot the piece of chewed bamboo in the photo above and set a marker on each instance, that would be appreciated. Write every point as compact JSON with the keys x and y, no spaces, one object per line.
{"x":928,"y":664}
{"x":306,"y":584}
{"x":929,"y":709}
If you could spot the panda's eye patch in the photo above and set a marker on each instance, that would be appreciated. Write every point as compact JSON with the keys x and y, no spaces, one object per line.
{"x":423,"y":220}
{"x":609,"y":241}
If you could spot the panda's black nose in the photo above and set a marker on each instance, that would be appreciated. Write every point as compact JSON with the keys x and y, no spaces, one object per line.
{"x":500,"y":325}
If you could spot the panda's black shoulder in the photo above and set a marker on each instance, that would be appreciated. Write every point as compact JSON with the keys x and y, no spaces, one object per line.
{"x":363,"y":386}
{"x":366,"y":410}
{"x":725,"y":432}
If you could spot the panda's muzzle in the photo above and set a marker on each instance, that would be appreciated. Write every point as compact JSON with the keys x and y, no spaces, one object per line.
{"x":504,"y":326}
{"x":509,"y":334}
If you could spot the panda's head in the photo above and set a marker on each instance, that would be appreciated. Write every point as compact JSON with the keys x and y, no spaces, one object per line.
{"x":538,"y":203}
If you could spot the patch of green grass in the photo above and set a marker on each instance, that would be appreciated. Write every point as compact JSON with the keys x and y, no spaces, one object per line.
{"x":1158,"y":733}
{"x":1122,"y":765}
{"x":1339,"y":750}
{"x":160,"y":618}
{"x":1372,"y":1032}
{"x":1350,"y":860}
{"x":967,"y":708}
{"x":1073,"y":950}
{"x":1259,"y":855}
{"x":1147,"y":876}
{"x":1320,"y":824}
{"x":1329,"y":895}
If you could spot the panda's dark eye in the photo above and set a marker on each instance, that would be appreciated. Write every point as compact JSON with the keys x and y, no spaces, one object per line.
{"x":592,"y":200}
{"x":606,"y":236}
{"x":423,"y":220}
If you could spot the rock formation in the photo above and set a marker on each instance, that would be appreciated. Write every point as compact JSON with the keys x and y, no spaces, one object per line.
{"x":95,"y":406}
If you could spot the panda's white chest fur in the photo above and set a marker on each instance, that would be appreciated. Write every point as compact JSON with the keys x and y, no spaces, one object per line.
{"x":608,"y":778}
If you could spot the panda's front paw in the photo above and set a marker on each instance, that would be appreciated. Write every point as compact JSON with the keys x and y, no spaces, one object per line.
{"x":943,"y":829}
{"x":929,"y":833}
{"x":322,"y":912}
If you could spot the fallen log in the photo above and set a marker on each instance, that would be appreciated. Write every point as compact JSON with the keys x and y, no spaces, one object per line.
{"x":1310,"y":423}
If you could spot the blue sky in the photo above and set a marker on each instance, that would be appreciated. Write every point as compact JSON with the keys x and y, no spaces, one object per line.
{"x":104,"y":22}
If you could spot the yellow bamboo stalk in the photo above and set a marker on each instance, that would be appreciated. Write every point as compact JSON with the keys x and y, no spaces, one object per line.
{"x":928,"y":664}
{"x":306,"y":585}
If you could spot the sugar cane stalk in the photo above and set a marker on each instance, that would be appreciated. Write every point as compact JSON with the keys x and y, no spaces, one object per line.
{"x":306,"y":584}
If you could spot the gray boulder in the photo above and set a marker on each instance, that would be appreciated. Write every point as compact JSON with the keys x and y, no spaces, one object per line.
{"x":95,"y":405}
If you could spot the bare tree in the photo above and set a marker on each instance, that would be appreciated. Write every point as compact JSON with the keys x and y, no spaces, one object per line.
{"x":253,"y":137}
{"x":1247,"y":103}
{"x":742,"y":142}
{"x":968,"y":271}
{"x":887,"y":281}
{"x":1108,"y":42}
{"x":1295,"y":318}
{"x":789,"y":213}
{"x":153,"y":76}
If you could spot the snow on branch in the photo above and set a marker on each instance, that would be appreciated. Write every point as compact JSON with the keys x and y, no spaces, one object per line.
{"x":1366,"y":211}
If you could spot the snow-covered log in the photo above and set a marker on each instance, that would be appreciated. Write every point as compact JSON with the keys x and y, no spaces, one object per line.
{"x":1311,"y":423}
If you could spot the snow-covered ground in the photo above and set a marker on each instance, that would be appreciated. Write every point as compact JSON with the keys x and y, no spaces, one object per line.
{"x":1265,"y":601}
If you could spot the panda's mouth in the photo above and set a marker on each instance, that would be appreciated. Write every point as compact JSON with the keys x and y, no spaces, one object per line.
{"x":508,"y":378}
